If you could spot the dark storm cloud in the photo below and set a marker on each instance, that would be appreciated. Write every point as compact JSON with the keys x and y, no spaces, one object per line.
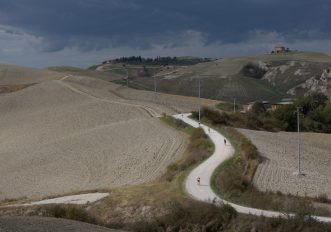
{"x":96,"y":25}
{"x":92,"y":24}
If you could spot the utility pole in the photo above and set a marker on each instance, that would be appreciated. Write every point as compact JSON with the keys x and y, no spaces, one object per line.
{"x":234,"y":105}
{"x":298,"y":141}
{"x":127,"y":77}
{"x":154,"y":84}
{"x":199,"y":101}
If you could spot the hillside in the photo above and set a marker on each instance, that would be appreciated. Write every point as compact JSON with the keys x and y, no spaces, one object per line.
{"x":14,"y":78}
{"x":63,"y":136}
{"x":283,"y":75}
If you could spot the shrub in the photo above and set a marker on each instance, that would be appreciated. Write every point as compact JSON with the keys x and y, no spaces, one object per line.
{"x":198,"y":150}
{"x":190,"y":216}
{"x":258,"y":108}
{"x":70,"y":212}
{"x":253,"y":70}
{"x":323,"y":198}
{"x":180,"y":123}
{"x":215,"y":116}
{"x":198,"y":133}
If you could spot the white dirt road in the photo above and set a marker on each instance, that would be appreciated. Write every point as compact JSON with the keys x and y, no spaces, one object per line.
{"x":80,"y":199}
{"x":203,"y":192}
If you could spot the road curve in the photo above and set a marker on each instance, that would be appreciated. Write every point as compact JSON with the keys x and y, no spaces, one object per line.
{"x":203,"y":192}
{"x":149,"y":110}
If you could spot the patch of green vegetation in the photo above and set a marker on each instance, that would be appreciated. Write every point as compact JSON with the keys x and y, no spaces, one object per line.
{"x":235,"y":175}
{"x":200,"y":147}
{"x":133,"y":85}
{"x":258,"y":90}
{"x":248,"y":120}
{"x":93,"y":67}
{"x":178,"y":124}
{"x":82,"y":72}
{"x":198,"y":216}
{"x":190,"y":216}
{"x":69,"y":212}
{"x":229,"y":107}
{"x":117,"y":71}
{"x":66,"y":69}
{"x":138,"y":60}
{"x":316,"y":111}
{"x":253,"y":70}
{"x":315,"y":108}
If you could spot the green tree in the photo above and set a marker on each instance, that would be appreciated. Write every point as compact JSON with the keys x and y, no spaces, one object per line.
{"x":258,"y":108}
{"x":287,"y":116}
{"x":311,"y":102}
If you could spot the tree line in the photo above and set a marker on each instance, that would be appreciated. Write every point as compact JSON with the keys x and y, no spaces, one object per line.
{"x":315,"y":114}
{"x":138,"y":60}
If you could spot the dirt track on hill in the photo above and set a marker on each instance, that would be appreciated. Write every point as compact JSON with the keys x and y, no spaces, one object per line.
{"x":55,"y":141}
{"x":275,"y":173}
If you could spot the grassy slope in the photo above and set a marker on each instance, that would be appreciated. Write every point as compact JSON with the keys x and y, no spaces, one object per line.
{"x":84,"y":72}
{"x":222,"y":80}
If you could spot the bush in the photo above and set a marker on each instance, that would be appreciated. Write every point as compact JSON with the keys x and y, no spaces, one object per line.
{"x":191,"y":216}
{"x":248,"y":120}
{"x":258,"y":108}
{"x":197,"y":134}
{"x":323,"y":198}
{"x":215,"y":116}
{"x":180,"y":123}
{"x":70,"y":212}
{"x":287,"y":116}
{"x":316,"y":110}
{"x":199,"y":148}
{"x":253,"y":70}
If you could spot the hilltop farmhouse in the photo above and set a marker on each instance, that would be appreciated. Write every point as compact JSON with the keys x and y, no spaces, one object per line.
{"x":280,"y":49}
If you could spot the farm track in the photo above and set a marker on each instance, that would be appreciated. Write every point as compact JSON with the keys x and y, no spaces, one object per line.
{"x":150,"y":111}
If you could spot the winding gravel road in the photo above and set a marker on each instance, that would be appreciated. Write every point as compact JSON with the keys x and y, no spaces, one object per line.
{"x":204,"y":171}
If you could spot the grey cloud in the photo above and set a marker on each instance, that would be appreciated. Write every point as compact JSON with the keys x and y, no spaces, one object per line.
{"x":166,"y":27}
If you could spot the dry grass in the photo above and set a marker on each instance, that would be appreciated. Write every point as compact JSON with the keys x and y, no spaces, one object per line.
{"x":12,"y":88}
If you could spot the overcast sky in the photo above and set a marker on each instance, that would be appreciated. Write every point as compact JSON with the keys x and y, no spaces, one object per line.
{"x":43,"y":33}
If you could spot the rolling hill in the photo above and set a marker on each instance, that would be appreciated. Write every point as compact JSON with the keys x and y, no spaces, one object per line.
{"x":14,"y":78}
{"x":284,"y":75}
{"x":71,"y":134}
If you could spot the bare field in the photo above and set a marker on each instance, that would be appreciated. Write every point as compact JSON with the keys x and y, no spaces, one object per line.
{"x":162,"y":103}
{"x":57,"y":138}
{"x":275,"y":173}
{"x":15,"y":75}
